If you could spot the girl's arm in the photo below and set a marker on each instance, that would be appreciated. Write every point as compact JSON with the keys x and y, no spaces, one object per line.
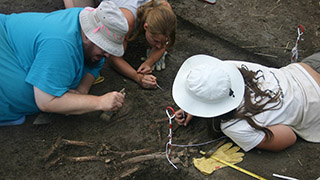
{"x":147,"y":81}
{"x":154,"y":56}
{"x":123,"y":67}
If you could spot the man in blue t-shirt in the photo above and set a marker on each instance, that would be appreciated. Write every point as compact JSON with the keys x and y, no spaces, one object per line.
{"x":48,"y":61}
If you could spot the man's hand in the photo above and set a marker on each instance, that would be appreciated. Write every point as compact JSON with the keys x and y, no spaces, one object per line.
{"x":112,"y":101}
{"x":74,"y":103}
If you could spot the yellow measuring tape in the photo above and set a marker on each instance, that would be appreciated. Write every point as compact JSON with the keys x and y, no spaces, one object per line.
{"x":235,"y":167}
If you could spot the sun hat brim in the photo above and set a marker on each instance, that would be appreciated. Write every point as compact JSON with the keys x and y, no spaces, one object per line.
{"x":192,"y":104}
{"x":107,"y":45}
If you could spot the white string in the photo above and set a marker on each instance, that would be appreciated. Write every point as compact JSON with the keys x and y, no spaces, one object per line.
{"x":169,"y":158}
{"x":191,"y":145}
{"x":168,"y":150}
{"x":294,"y":50}
{"x":200,"y":144}
{"x":169,"y":143}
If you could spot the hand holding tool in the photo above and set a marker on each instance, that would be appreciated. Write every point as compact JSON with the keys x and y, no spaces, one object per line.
{"x":106,"y":115}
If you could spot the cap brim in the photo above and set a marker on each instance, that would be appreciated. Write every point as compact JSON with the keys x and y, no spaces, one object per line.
{"x":201,"y":107}
{"x":104,"y":43}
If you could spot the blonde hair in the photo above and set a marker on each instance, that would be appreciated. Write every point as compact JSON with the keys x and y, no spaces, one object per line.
{"x":160,"y":19}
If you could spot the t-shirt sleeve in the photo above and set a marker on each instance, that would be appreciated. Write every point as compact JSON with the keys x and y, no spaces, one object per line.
{"x":242,"y":134}
{"x":56,"y":68}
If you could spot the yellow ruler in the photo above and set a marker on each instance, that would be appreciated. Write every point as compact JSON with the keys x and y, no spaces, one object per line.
{"x":235,"y":167}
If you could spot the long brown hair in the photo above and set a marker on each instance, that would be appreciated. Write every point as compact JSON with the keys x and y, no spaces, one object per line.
{"x":160,"y":19}
{"x":251,"y":107}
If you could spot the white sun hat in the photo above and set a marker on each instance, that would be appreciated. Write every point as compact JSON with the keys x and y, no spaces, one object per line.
{"x":208,"y":87}
{"x":106,"y":26}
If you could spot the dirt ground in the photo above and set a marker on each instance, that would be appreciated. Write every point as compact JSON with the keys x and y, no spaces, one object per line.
{"x":258,"y":31}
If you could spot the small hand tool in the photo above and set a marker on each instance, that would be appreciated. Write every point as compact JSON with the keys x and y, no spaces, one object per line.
{"x":159,"y":87}
{"x":106,"y":115}
{"x":211,"y":151}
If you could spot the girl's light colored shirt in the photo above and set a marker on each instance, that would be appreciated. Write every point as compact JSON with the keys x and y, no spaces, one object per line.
{"x":131,"y":5}
{"x":300,"y":97}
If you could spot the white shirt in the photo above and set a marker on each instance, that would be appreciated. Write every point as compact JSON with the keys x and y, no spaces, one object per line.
{"x":131,"y":5}
{"x":300,"y":96}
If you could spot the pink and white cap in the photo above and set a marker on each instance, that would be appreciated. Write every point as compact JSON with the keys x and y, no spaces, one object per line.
{"x":106,"y":26}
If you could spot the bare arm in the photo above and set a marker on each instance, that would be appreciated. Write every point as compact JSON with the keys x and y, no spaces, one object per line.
{"x":154,"y":56}
{"x":145,"y":80}
{"x":283,"y":137}
{"x":85,"y":84}
{"x":123,"y":67}
{"x":71,"y":103}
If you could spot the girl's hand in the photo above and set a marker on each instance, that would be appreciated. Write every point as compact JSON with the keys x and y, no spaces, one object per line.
{"x":144,"y":69}
{"x":182,"y":118}
{"x":148,"y":81}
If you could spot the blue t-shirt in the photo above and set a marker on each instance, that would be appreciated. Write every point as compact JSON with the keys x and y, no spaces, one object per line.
{"x":42,"y":50}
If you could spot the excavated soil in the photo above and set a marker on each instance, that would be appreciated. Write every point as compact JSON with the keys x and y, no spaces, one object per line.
{"x":256,"y":31}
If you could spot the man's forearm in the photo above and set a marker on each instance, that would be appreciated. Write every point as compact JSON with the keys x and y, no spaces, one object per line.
{"x":68,"y":103}
{"x":85,"y":83}
{"x":71,"y":103}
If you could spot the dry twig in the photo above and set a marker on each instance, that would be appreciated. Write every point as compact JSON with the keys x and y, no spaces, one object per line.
{"x":84,"y":158}
{"x":53,"y":162}
{"x":52,"y":149}
{"x":162,"y":120}
{"x":147,"y":157}
{"x":75,"y":143}
{"x":267,"y":55}
{"x":104,"y":150}
{"x":129,"y":172}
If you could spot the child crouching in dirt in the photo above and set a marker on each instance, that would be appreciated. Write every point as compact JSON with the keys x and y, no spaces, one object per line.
{"x":254,"y":105}
{"x":153,"y":18}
